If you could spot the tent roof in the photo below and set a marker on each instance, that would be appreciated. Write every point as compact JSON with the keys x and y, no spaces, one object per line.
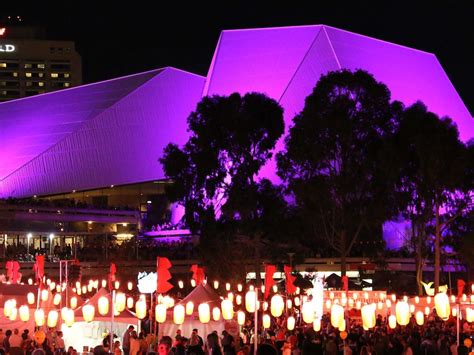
{"x":203,"y":293}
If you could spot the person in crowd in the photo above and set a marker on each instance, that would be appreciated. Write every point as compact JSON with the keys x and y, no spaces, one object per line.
{"x":117,"y":350}
{"x":15,"y":343}
{"x":126,"y":340}
{"x":134,"y":343}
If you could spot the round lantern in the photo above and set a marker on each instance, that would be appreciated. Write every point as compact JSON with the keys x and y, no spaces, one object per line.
{"x":250,"y":298}
{"x":69,"y":318}
{"x":392,"y":321}
{"x":160,"y":313}
{"x":241,"y":318}
{"x":420,"y":318}
{"x":442,"y":306}
{"x":30,"y":298}
{"x":180,"y":284}
{"x":454,"y":312}
{"x":89,"y":288}
{"x":227,"y":286}
{"x":467,"y":343}
{"x":317,"y":325}
{"x":216,"y":314}
{"x":227,"y":309}
{"x":412,"y":308}
{"x":73,"y":302}
{"x":193,"y":283}
{"x":39,"y":317}
{"x":290,"y":323}
{"x":266,"y":321}
{"x":120,"y":301}
{"x":130,"y":302}
{"x":204,"y":313}
{"x":402,"y":311}
{"x":39,"y":336}
{"x":307,"y":311}
{"x":117,"y":285}
{"x":178,"y":314}
{"x":24,"y":313}
{"x":88,"y":313}
{"x":297,"y":301}
{"x":264,"y":306}
{"x":417,"y":299}
{"x":277,"y":305}
{"x":368,"y":316}
{"x":337,"y":315}
{"x":343,"y":335}
{"x":7,"y":308}
{"x":53,"y":318}
{"x":189,"y":308}
{"x":57,"y":299}
{"x":103,"y":305}
{"x":140,"y":309}
{"x":342,"y":326}
{"x":44,"y":295}
{"x":30,"y":281}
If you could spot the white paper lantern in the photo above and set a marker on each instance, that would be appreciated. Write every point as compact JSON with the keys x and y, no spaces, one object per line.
{"x":53,"y":318}
{"x":337,"y":315}
{"x":368,"y":316}
{"x":277,"y":305}
{"x":266,"y":321}
{"x":140,"y":309}
{"x":241,"y":318}
{"x":103,"y":305}
{"x":189,"y":308}
{"x":419,"y":318}
{"x":392,"y":321}
{"x":73,"y":302}
{"x":160,"y":313}
{"x":178,"y":314}
{"x":317,"y":325}
{"x":402,"y":311}
{"x":307,"y":310}
{"x":57,"y":299}
{"x":30,"y":298}
{"x":120,"y":301}
{"x":442,"y":306}
{"x":204,"y":313}
{"x":227,"y":309}
{"x":216,"y":314}
{"x":39,"y":317}
{"x":250,"y":298}
{"x":88,"y":313}
{"x":69,"y":318}
{"x":24,"y":313}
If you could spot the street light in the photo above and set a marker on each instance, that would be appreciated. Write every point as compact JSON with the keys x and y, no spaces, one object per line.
{"x":28,"y":237}
{"x":51,"y":237}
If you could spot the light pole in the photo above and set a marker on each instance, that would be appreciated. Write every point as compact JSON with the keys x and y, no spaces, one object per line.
{"x":28,"y":238}
{"x":51,"y":237}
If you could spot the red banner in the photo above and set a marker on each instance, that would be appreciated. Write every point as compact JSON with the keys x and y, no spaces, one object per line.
{"x":198,"y":274}
{"x":13,"y":271}
{"x":461,"y":285}
{"x":290,"y":279}
{"x":345,"y":283}
{"x":269,"y":282}
{"x":38,"y":268}
{"x":163,"y":275}
{"x":112,"y":271}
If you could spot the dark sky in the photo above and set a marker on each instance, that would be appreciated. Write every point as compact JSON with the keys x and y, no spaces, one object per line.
{"x":134,"y":36}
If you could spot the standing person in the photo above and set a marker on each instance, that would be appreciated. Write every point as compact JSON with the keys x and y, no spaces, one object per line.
{"x":228,"y":343}
{"x":117,"y":350}
{"x":195,"y":347}
{"x":6,"y":341}
{"x":213,"y":346}
{"x":126,"y":340}
{"x":15,"y":343}
{"x":60,"y":346}
{"x":134,"y":343}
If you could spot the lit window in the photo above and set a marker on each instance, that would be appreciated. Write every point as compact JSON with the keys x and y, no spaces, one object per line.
{"x":15,"y":74}
{"x":3,"y":65}
{"x":28,"y":75}
{"x":40,"y":75}
{"x":40,"y":83}
{"x":54,"y":75}
{"x":28,"y":66}
{"x":66,"y":85}
{"x":66,"y":75}
{"x":29,"y":83}
{"x":40,"y":66}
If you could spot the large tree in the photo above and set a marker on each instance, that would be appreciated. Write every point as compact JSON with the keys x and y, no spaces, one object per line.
{"x":336,"y":161}
{"x":215,"y":174}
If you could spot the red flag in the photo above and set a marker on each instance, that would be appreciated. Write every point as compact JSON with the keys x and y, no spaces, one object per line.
{"x":112,"y":271}
{"x":198,"y":274}
{"x":38,"y":268}
{"x":269,"y":282}
{"x":163,"y":275}
{"x":345,"y":283}
{"x":461,"y":285}
{"x":12,"y":271}
{"x":290,"y":287}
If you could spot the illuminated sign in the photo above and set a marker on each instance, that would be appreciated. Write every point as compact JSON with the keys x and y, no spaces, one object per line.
{"x":2,"y":31}
{"x":7,"y":48}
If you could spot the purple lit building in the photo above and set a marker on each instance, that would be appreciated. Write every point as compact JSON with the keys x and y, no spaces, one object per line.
{"x":112,"y":133}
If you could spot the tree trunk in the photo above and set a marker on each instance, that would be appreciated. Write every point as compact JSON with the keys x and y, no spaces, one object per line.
{"x":343,"y":253}
{"x":418,"y":235}
{"x":437,"y":265}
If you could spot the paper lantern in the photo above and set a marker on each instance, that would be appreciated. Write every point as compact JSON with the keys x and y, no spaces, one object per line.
{"x":130,"y":302}
{"x":366,"y":295}
{"x":368,"y":316}
{"x":388,"y":303}
{"x":120,"y":301}
{"x":140,"y":309}
{"x":355,"y":296}
{"x":266,"y":321}
{"x":160,"y":313}
{"x":57,"y":299}
{"x":238,"y":300}
{"x":329,"y":304}
{"x":379,"y":305}
{"x":419,"y":318}
{"x":470,"y":314}
{"x":178,"y":314}
{"x":467,"y":343}
{"x":216,"y":284}
{"x":13,"y":314}
{"x":342,"y":326}
{"x":343,"y":301}
{"x":216,"y":314}
{"x":73,"y":302}
{"x":58,"y":288}
{"x":204,"y":313}
{"x":189,"y":308}
{"x":337,"y":315}
{"x":230,"y":296}
{"x":358,"y":304}
{"x":239,"y":287}
{"x":275,"y":288}
{"x":7,"y":308}
{"x":89,"y":288}
{"x":117,"y":285}
{"x":317,"y":325}
{"x":250,"y":300}
{"x":39,"y":336}
{"x":193,"y":283}
{"x":227,"y":286}
{"x":417,"y":299}
{"x":30,"y":281}
{"x":44,"y":295}
{"x":402,"y":311}
{"x":307,"y":310}
{"x":262,"y":289}
{"x":343,"y":334}
{"x":428,"y":299}
{"x":297,"y":291}
{"x":453,"y":299}
{"x":289,"y":303}
{"x":290,"y":323}
{"x":69,"y":317}
{"x":180,"y":284}
{"x":454,"y":312}
{"x":53,"y":318}
{"x":88,"y":313}
{"x":392,"y":321}
{"x":103,"y":283}
{"x":63,"y":312}
{"x":227,"y":309}
{"x":412,"y":308}
{"x":277,"y":305}
{"x":350,"y":302}
{"x":103,"y":305}
{"x":427,"y":311}
{"x":464,"y":297}
{"x":30,"y":298}
{"x":241,"y":318}
{"x":442,"y":306}
{"x":129,"y":285}
{"x":24,"y":313}
{"x":297,"y":301}
{"x":39,"y":317}
{"x":52,"y":286}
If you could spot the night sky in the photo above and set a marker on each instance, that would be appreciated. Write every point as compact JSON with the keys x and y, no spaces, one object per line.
{"x":130,"y":37}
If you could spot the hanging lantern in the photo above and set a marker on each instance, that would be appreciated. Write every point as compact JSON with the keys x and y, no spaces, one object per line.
{"x":238,"y":300}
{"x":193,"y":283}
{"x":250,"y":298}
{"x":216,"y":314}
{"x":52,"y":286}
{"x":317,"y":325}
{"x":355,"y":296}
{"x":24,"y":313}
{"x":57,"y":299}
{"x":130,"y":285}
{"x":405,"y":298}
{"x":417,"y":299}
{"x":307,"y":311}
{"x":30,"y":281}
{"x":103,"y":305}
{"x":39,"y":317}
{"x":392,"y":321}
{"x":178,"y":314}
{"x":402,"y":311}
{"x":388,"y":303}
{"x":368,"y":316}
{"x":328,"y":304}
{"x":351,"y":303}
{"x":69,"y":318}
{"x":277,"y":305}
{"x":412,"y":308}
{"x":89,"y":288}
{"x":469,"y":315}
{"x":454,"y":312}
{"x":88,"y":313}
{"x":227,"y":309}
{"x":13,"y":314}
{"x":453,"y":299}
{"x":216,"y":284}
{"x":266,"y":321}
{"x":394,"y":297}
{"x":366,"y":295}
{"x":239,"y":287}
{"x":379,"y":305}
{"x":343,"y":301}
{"x":290,"y":323}
{"x":241,"y":318}
{"x":443,"y":308}
{"x":117,"y":285}
{"x":227,"y":286}
{"x":189,"y":308}
{"x":7,"y":308}
{"x":262,"y":289}
{"x":297,"y":301}
{"x":204,"y":313}
{"x":104,"y":283}
{"x":140,"y":309}
{"x":428,"y":299}
{"x":427,"y":311}
{"x":130,"y":302}
{"x":52,"y":318}
{"x":289,"y":304}
{"x":297,"y":291}
{"x":264,"y":306}
{"x":58,"y":288}
{"x":464,"y":297}
{"x":230,"y":296}
{"x":160,"y":313}
{"x":120,"y":301}
{"x":419,"y":318}
{"x":180,"y":284}
{"x":342,"y":326}
{"x":63,"y":313}
{"x":337,"y":315}
{"x":73,"y":302}
{"x":275,"y":288}
{"x":30,"y":298}
{"x":358,"y":305}
{"x":44,"y":295}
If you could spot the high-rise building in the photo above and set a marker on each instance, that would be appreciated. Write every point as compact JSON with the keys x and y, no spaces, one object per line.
{"x":31,"y":65}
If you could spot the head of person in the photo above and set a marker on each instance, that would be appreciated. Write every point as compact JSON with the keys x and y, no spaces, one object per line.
{"x":134,"y":334}
{"x":131,"y":328}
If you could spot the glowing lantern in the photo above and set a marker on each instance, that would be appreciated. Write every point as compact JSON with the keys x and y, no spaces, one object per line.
{"x":262,"y":289}
{"x":317,"y":325}
{"x":52,"y":318}
{"x":30,"y":282}
{"x":443,"y":308}
{"x":57,"y":299}
{"x":13,"y":314}
{"x":417,"y":299}
{"x":39,"y":317}
{"x":351,"y":303}
{"x":402,"y":311}
{"x":307,"y":311}
{"x":52,"y":286}
{"x":227,"y":286}
{"x":193,"y":283}
{"x":204,"y":313}
{"x":58,"y":288}
{"x":366,"y":295}
{"x":394,"y":297}
{"x":297,"y":301}
{"x":337,"y":315}
{"x":130,"y":302}
{"x":230,"y":296}
{"x":117,"y":285}
{"x":189,"y":308}
{"x":464,"y":297}
{"x":427,"y":311}
{"x":78,"y":285}
{"x":227,"y":309}
{"x":79,"y":292}
{"x":63,"y":313}
{"x":368,"y":316}
{"x":379,"y":306}
{"x":140,"y":309}
{"x":129,"y":285}
{"x":392,"y":321}
{"x":289,"y":304}
{"x":328,"y":304}
{"x":412,"y":308}
{"x":454,"y":312}
{"x":342,"y":326}
{"x":216,"y":314}
{"x":428,"y":299}
{"x":73,"y":302}
{"x":30,"y":298}
{"x":239,"y":287}
{"x":331,"y":295}
{"x":216,"y":284}
{"x":89,"y":288}
{"x":419,"y":317}
{"x":343,"y":301}
{"x":358,"y":304}
{"x":44,"y":295}
{"x":266,"y":321}
{"x":24,"y":313}
{"x":104,"y":283}
{"x":120,"y":301}
{"x":388,"y":303}
{"x":69,"y":318}
{"x":178,"y":314}
{"x":103,"y":305}
{"x":238,"y":300}
{"x":355,"y":296}
{"x":470,"y":314}
{"x":241,"y":318}
{"x":343,"y":334}
{"x":180,"y":284}
{"x":88,"y":313}
{"x":7,"y":308}
{"x":250,"y":300}
{"x":160,"y":313}
{"x":277,"y":305}
{"x":453,"y":299}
